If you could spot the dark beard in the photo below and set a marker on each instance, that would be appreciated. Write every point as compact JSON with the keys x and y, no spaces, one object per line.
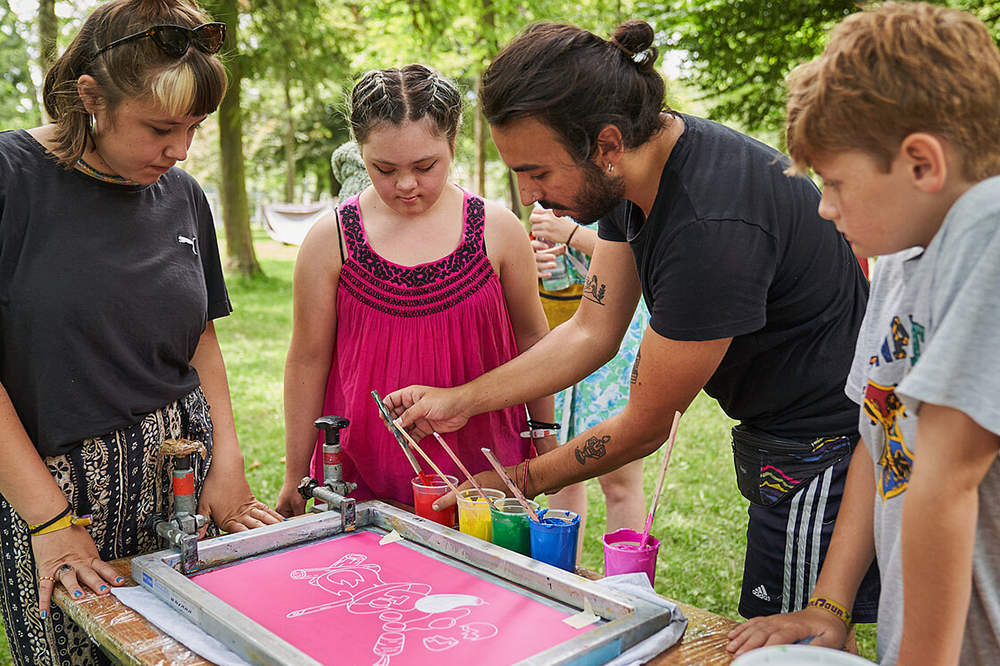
{"x":598,"y":196}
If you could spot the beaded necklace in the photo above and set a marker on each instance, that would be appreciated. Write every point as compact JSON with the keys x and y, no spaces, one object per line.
{"x":100,"y":175}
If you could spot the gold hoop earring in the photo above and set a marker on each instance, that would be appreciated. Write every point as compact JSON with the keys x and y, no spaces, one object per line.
{"x":611,"y":167}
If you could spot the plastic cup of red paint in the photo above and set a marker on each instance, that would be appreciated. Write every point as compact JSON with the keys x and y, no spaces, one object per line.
{"x":623,"y":554}
{"x":424,"y":495}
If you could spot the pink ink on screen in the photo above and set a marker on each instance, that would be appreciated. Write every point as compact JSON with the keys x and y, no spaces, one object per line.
{"x":349,"y":600}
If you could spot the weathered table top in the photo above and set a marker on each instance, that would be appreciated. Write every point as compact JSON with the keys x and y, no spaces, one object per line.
{"x":130,"y":639}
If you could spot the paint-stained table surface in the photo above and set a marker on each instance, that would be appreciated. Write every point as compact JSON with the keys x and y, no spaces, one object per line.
{"x":128,"y":638}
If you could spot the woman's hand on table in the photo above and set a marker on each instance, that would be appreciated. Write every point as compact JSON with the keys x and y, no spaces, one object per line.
{"x":69,"y":556}
{"x":810,"y":623}
{"x":226,"y":497}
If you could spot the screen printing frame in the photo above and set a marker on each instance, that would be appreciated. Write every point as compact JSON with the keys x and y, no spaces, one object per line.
{"x":628,"y":620}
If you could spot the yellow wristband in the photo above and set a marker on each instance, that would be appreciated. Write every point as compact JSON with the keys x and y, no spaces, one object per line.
{"x":63,"y":523}
{"x":831,"y":607}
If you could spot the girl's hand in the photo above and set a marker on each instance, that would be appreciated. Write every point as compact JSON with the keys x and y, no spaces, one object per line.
{"x":290,"y":502}
{"x":545,"y":257}
{"x":545,"y":224}
{"x":69,"y":556}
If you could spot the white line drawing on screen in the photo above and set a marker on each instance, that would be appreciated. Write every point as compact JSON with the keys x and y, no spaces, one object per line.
{"x":401,"y":607}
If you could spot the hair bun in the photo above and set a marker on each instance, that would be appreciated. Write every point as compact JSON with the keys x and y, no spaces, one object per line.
{"x":635,"y":38}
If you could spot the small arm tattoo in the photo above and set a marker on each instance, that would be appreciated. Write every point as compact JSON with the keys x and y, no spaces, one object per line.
{"x":593,"y":291}
{"x":635,"y":368}
{"x":592,"y":448}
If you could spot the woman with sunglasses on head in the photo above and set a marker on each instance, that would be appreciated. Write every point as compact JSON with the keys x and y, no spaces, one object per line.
{"x":110,"y":278}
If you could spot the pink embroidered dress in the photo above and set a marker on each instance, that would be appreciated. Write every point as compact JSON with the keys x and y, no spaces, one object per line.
{"x":438,"y":324}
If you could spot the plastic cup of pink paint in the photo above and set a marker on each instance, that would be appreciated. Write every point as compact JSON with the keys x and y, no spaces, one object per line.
{"x":623,"y":554}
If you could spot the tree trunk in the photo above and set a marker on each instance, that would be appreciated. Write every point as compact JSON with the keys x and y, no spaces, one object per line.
{"x":481,"y":135}
{"x":240,"y":254}
{"x":48,"y":34}
{"x":488,"y":32}
{"x":515,"y":196}
{"x":289,"y":144}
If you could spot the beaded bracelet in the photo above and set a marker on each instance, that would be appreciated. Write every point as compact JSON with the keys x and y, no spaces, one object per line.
{"x":832,"y":607}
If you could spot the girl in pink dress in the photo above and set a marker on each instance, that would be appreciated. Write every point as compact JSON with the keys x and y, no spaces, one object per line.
{"x":413,"y":281}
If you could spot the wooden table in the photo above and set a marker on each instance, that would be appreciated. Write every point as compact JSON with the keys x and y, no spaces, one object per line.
{"x":128,"y":638}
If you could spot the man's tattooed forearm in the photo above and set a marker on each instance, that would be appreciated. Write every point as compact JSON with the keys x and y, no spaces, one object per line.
{"x":635,"y":368}
{"x":593,"y":291}
{"x":592,"y":448}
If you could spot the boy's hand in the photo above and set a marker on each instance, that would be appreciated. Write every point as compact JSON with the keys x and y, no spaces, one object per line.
{"x":823,"y":628}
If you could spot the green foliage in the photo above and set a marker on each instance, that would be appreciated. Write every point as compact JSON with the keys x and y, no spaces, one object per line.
{"x":739,"y":52}
{"x":17,"y":91}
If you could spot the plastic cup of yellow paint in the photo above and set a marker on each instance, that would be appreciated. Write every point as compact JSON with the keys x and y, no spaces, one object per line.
{"x":510,"y":525}
{"x":474,"y":512}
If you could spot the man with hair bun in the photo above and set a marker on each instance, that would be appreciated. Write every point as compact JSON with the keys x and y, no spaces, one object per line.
{"x":753,"y":297}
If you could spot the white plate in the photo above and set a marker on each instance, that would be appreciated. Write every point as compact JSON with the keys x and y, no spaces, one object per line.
{"x":799,"y":655}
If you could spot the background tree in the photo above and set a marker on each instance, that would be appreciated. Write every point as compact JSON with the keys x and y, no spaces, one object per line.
{"x":18,"y":96}
{"x":739,"y":52}
{"x":297,"y":54}
{"x":240,"y":254}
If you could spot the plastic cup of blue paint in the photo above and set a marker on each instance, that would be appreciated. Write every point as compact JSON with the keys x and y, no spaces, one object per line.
{"x":554,"y":537}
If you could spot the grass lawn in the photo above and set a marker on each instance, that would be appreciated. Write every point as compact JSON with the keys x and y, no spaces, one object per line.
{"x":701,"y":518}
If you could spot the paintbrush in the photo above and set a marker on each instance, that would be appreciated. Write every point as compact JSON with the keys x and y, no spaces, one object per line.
{"x":472,"y":479}
{"x":663,"y":475}
{"x":424,"y":479}
{"x":510,"y":484}
{"x":430,"y":462}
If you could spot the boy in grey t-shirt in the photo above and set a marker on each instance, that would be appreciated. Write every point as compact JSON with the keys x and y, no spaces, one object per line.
{"x":898,"y":118}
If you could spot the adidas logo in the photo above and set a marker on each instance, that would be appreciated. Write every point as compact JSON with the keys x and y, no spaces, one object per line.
{"x":761,"y":593}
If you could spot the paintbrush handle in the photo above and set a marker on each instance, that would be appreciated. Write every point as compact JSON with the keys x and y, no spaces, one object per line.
{"x":395,"y":435}
{"x":663,"y":476}
{"x":430,"y":462}
{"x":465,"y":471}
{"x":510,"y":483}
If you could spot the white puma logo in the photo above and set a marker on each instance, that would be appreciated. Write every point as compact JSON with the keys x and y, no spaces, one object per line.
{"x":193,"y":242}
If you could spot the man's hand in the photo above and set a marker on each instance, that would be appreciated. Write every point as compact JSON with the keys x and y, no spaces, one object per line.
{"x":487,"y":479}
{"x":422,"y":410}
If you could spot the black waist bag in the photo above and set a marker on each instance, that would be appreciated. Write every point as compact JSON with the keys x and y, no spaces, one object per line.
{"x":770,"y":468}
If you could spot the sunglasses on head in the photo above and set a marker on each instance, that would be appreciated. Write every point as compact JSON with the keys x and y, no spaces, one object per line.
{"x":175,"y":40}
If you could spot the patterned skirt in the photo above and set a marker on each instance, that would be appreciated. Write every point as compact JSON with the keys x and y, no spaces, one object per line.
{"x":121,"y":479}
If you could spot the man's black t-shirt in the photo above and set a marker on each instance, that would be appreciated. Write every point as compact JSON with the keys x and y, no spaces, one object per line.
{"x":105,"y":291}
{"x":734,"y":247}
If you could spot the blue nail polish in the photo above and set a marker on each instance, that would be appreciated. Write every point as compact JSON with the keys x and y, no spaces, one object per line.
{"x":77,"y":593}
{"x":45,"y":614}
{"x":119,"y":580}
{"x":103,"y":588}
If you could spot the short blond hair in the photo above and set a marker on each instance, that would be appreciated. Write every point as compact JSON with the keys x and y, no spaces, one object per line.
{"x":893,"y":70}
{"x":193,"y":84}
